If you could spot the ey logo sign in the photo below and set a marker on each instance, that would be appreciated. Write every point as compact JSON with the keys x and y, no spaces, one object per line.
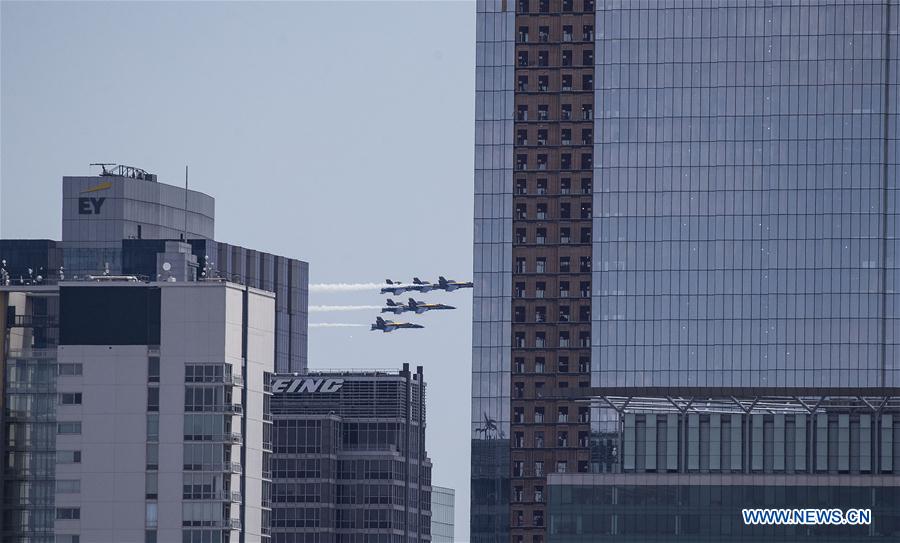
{"x":89,"y":205}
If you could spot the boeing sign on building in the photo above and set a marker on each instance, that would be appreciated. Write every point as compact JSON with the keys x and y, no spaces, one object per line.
{"x":301,"y":385}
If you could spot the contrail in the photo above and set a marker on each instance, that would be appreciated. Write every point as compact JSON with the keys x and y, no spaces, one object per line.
{"x":335,"y":325}
{"x":322,"y":308}
{"x":344,"y":287}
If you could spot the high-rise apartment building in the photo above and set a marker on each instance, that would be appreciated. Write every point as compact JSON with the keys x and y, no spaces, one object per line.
{"x":686,"y":266}
{"x":349,"y":462}
{"x":136,"y":412}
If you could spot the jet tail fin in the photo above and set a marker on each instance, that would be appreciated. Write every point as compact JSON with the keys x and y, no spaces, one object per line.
{"x":390,"y":303}
{"x":413,"y":303}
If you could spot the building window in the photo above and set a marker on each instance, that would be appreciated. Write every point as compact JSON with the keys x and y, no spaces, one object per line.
{"x":565,"y":136}
{"x":153,"y":456}
{"x":565,"y":235}
{"x":69,"y":369}
{"x":585,"y":288}
{"x":519,"y":412}
{"x":585,"y":235}
{"x":539,"y":365}
{"x":584,"y":264}
{"x":537,"y":518}
{"x":585,"y":185}
{"x":587,"y":33}
{"x":544,"y":6}
{"x":518,"y":493}
{"x":542,"y":211}
{"x":518,"y":468}
{"x":539,"y":468}
{"x":563,"y":340}
{"x":587,"y":57}
{"x":567,"y":58}
{"x":520,"y":290}
{"x":539,"y":289}
{"x":519,"y":314}
{"x":520,"y":340}
{"x":541,"y":236}
{"x":152,"y":518}
{"x":523,"y":6}
{"x":539,"y":440}
{"x":68,"y":486}
{"x":68,"y":428}
{"x":584,"y":364}
{"x":562,"y":414}
{"x":542,"y":183}
{"x":542,"y":137}
{"x":70,"y":398}
{"x":541,"y":265}
{"x":153,"y":369}
{"x":68,"y":457}
{"x":543,"y":83}
{"x":521,"y":236}
{"x":523,"y":34}
{"x":522,"y":139}
{"x":521,"y":186}
{"x":543,"y":115}
{"x":563,"y":364}
{"x":151,"y":483}
{"x":521,"y":211}
{"x":565,"y":185}
{"x":567,"y":33}
{"x":540,"y":340}
{"x":68,"y":513}
{"x":519,"y":440}
{"x":565,"y":210}
{"x":520,"y":265}
{"x":523,"y":58}
{"x":567,"y":5}
{"x":538,"y":415}
{"x":587,"y":137}
{"x":563,"y":313}
{"x":566,"y":112}
{"x":563,"y":289}
{"x":543,"y":58}
{"x":544,"y":33}
{"x":587,"y":83}
{"x":562,"y":466}
{"x":587,"y":161}
{"x":565,"y":161}
{"x":539,"y":494}
{"x":564,"y":264}
{"x":152,"y":399}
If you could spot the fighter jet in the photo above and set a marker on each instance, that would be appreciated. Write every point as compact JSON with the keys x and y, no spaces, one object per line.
{"x":390,"y":326}
{"x":451,"y":285}
{"x":395,"y":288}
{"x":422,"y":286}
{"x":413,"y":305}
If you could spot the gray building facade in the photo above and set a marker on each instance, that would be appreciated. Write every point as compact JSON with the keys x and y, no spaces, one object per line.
{"x":136,"y":412}
{"x":349,"y":463}
{"x":443,"y":507}
{"x":744,"y":271}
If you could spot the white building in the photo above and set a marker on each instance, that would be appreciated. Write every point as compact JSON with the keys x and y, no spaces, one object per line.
{"x":162,"y":425}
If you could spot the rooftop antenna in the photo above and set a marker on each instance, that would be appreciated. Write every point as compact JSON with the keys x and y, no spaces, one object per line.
{"x":184,"y":234}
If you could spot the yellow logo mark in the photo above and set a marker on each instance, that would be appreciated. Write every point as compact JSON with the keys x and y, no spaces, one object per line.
{"x":102,"y":186}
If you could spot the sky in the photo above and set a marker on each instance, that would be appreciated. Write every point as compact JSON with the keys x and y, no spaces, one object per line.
{"x":339,"y":133}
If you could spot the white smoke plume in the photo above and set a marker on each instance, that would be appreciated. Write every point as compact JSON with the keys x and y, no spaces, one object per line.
{"x":336,"y":325}
{"x":344,"y":287}
{"x":326,"y":308}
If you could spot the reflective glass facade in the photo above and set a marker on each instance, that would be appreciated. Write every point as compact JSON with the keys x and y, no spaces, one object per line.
{"x":747,"y":194}
{"x":491,"y":329}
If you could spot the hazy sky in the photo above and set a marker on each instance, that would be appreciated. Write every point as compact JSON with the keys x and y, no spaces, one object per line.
{"x":338,"y":133}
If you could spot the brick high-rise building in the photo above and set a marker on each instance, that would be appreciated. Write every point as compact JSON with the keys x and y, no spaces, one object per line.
{"x":676,"y":202}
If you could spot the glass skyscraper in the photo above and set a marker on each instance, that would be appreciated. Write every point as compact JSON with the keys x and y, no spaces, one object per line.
{"x":720,"y":180}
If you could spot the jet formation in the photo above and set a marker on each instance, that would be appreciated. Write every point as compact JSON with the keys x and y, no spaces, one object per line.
{"x":418,"y":307}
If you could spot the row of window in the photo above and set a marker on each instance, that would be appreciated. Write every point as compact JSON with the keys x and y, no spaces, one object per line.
{"x":562,"y":415}
{"x":541,"y":211}
{"x":565,"y":137}
{"x":540,"y":236}
{"x":565,"y":314}
{"x":562,"y":466}
{"x":565,"y":112}
{"x":565,"y":265}
{"x":539,"y":365}
{"x":541,"y":389}
{"x":545,"y":34}
{"x":540,"y":290}
{"x":525,"y":7}
{"x":539,"y":340}
{"x":541,"y":186}
{"x":543,"y":61}
{"x":562,"y":440}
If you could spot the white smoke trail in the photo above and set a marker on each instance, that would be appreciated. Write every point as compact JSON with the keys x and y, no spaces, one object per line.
{"x":344,"y":287}
{"x":335,"y":325}
{"x":323,"y":308}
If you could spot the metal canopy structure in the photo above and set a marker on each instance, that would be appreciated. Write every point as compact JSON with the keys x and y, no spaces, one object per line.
{"x":746,"y":405}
